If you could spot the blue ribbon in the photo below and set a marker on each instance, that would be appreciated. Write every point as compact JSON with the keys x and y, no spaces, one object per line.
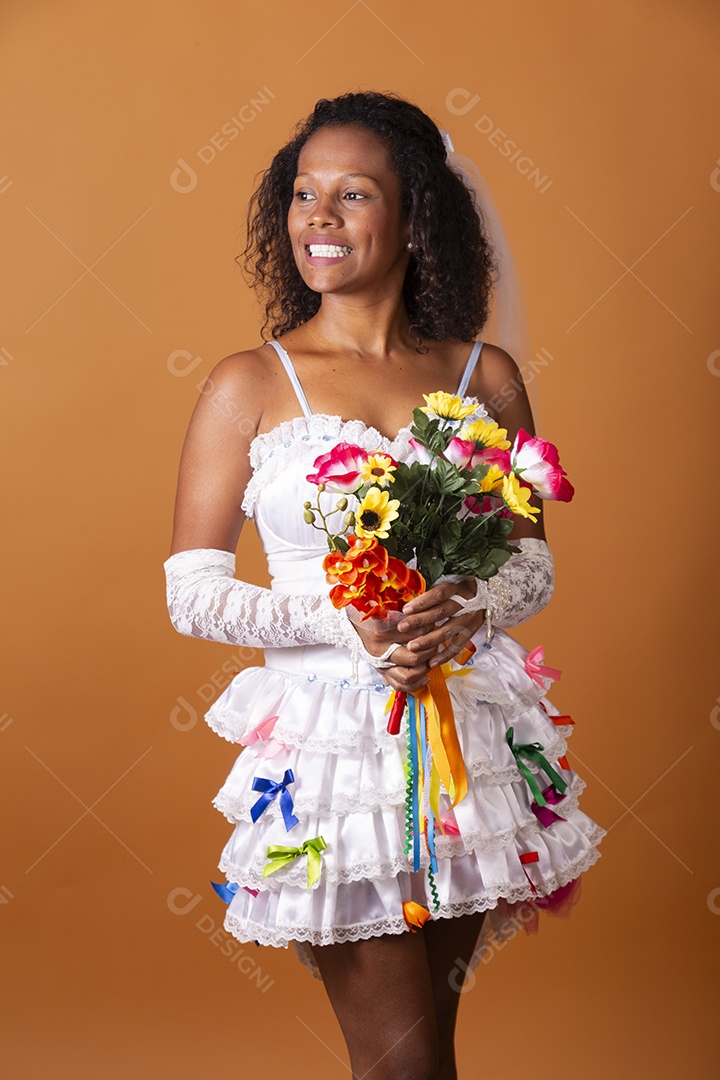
{"x":426,"y":773}
{"x":414,"y":766}
{"x":270,"y":789}
{"x":226,"y":892}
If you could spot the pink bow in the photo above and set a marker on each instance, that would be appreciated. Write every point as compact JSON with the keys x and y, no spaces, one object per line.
{"x":535,"y":667}
{"x":262,"y":733}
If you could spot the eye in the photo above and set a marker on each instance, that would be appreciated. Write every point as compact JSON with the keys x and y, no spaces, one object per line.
{"x":300,"y":195}
{"x":354,"y":195}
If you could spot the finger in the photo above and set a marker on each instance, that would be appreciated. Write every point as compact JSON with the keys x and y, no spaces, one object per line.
{"x":451,"y":630}
{"x":432,"y":596}
{"x":428,"y":617}
{"x":403,"y":657}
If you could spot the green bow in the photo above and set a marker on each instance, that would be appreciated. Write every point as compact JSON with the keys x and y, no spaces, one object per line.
{"x":532,"y":751}
{"x":281,"y":856}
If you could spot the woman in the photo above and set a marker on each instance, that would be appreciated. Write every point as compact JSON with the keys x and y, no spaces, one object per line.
{"x":378,"y":278}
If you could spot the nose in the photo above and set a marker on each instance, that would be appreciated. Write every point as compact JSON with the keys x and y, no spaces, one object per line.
{"x":325,"y":212}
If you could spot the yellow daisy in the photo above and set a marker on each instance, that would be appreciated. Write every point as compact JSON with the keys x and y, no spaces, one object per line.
{"x":493,"y":479}
{"x":516,"y":497}
{"x":378,"y":469}
{"x":486,"y":433}
{"x":446,"y":406}
{"x":375,"y":514}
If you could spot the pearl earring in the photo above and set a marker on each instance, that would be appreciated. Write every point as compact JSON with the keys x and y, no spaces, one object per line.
{"x":410,"y":245}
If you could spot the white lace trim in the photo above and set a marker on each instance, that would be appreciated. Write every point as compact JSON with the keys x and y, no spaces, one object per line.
{"x":555,"y":746}
{"x":295,"y":874}
{"x":270,"y":451}
{"x":281,"y":937}
{"x":236,"y":807}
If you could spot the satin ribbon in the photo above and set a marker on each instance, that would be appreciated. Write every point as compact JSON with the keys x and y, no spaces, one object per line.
{"x":271,"y":789}
{"x":263,"y":733}
{"x":529,"y":857}
{"x":415,"y":782}
{"x":564,"y":763}
{"x":415,"y":915}
{"x":449,"y":827}
{"x":533,"y":752}
{"x":443,"y":737}
{"x":226,"y":891}
{"x":397,"y":708}
{"x":535,"y":668}
{"x":544,"y":814}
{"x":282,"y":856}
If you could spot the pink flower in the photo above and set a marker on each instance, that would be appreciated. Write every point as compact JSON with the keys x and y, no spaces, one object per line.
{"x":339,"y":470}
{"x":463,"y":453}
{"x":537,"y":462}
{"x":460,"y":452}
{"x":421,"y":452}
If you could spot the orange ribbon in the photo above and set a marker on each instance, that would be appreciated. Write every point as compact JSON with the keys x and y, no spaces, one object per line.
{"x":415,"y":915}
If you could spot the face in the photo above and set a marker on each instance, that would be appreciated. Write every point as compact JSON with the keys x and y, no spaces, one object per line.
{"x":345,"y":221}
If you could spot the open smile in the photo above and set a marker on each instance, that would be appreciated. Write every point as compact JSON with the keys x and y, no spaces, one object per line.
{"x":324,"y":253}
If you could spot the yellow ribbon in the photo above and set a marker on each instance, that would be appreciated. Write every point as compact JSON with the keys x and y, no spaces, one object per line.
{"x":280,"y":856}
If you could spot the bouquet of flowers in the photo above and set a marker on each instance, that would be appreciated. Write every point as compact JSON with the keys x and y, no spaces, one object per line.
{"x":451,"y":509}
{"x":405,"y":526}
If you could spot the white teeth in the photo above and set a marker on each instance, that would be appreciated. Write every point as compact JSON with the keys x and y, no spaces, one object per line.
{"x":328,"y":251}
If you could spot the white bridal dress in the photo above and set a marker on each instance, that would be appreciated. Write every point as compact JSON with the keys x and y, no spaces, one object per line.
{"x":314,"y":710}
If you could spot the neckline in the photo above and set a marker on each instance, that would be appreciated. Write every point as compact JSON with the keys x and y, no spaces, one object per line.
{"x":292,"y":421}
{"x":308,"y":413}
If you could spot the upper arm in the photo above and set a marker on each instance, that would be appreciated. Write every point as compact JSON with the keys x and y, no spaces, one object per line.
{"x":214,"y":464}
{"x":498,"y":383}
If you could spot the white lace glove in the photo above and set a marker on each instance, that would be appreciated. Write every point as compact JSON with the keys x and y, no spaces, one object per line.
{"x":205,"y":600}
{"x":521,"y":587}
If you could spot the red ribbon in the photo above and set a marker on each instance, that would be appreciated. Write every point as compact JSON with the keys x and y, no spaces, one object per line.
{"x":529,"y":857}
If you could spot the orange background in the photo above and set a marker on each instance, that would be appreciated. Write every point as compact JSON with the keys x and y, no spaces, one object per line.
{"x":120,"y":295}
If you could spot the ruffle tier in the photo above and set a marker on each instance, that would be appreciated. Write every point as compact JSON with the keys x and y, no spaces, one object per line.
{"x":350,"y":788}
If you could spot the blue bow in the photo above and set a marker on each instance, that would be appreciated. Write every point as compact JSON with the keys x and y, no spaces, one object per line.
{"x":270,"y":789}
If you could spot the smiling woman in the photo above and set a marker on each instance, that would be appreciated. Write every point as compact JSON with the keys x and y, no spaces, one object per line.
{"x":377,"y":277}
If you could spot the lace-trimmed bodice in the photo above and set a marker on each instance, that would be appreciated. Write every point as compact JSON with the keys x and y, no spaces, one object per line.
{"x":274,"y":497}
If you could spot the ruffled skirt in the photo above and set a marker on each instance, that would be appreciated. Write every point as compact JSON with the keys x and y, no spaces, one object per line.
{"x":302,"y":711}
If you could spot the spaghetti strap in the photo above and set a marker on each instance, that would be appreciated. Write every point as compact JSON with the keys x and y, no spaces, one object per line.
{"x":292,"y":375}
{"x":469,"y":368}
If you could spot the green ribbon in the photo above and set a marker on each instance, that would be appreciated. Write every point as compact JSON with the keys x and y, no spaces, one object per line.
{"x":281,"y":856}
{"x":532,"y":751}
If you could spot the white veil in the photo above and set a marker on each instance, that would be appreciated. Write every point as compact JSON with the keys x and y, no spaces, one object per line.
{"x":507,"y":324}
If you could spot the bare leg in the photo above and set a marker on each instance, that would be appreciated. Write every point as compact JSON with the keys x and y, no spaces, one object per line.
{"x":450,"y":944}
{"x":382,"y":995}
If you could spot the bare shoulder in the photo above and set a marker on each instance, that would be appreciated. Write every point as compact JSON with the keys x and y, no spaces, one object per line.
{"x":497,"y":382}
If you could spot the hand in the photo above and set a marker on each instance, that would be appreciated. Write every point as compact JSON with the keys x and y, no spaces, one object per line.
{"x":424,"y":612}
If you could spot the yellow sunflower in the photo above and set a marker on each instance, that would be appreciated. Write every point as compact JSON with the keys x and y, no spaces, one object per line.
{"x":446,"y":406}
{"x":378,"y":469}
{"x":486,"y":433}
{"x":493,"y":479}
{"x":375,"y":514}
{"x":516,"y":497}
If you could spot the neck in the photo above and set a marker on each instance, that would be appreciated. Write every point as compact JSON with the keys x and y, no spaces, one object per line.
{"x":363,"y":328}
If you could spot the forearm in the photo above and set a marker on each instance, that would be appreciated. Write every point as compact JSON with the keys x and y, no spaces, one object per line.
{"x":205,"y":600}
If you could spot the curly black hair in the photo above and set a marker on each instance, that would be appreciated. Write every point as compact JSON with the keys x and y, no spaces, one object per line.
{"x":452,"y":271}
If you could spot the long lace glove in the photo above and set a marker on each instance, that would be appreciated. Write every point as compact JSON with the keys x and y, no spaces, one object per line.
{"x":205,"y":600}
{"x":522,"y":586}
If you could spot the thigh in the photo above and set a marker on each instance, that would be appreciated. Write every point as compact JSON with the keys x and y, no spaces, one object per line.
{"x":381,"y":992}
{"x":450,"y":944}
